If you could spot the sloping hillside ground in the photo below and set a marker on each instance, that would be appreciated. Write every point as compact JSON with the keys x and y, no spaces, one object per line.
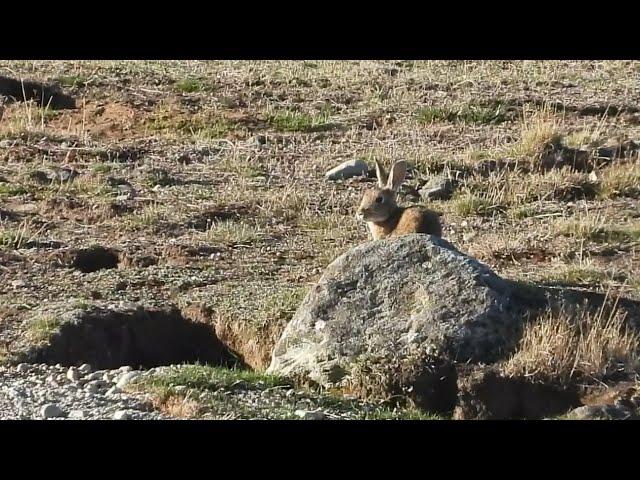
{"x":199,"y":187}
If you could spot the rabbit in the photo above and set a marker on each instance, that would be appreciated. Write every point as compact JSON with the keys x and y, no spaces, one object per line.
{"x":385,"y":218}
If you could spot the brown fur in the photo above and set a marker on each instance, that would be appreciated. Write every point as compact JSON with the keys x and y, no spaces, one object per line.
{"x":385,"y":218}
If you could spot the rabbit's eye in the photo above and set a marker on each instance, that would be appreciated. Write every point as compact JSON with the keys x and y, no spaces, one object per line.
{"x":380,"y":199}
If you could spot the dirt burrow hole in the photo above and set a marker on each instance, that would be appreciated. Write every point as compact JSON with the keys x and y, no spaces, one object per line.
{"x":95,"y":258}
{"x":141,"y":338}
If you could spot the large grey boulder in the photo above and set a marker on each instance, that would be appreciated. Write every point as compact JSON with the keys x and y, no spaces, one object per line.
{"x":393,"y":317}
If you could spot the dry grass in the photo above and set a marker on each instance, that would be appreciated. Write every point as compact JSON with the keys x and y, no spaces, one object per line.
{"x":42,"y":327}
{"x":232,"y":232}
{"x":597,"y":228}
{"x":565,"y":346}
{"x":539,"y":127}
{"x":177,"y":406}
{"x":621,"y":181}
{"x":17,"y":237}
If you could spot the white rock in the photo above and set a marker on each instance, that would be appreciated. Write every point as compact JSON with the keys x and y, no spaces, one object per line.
{"x":125,"y":369}
{"x":113,"y":391}
{"x":85,"y":368}
{"x":73,"y":374}
{"x":126,"y":379}
{"x":23,"y":368}
{"x":122,"y":415}
{"x":94,"y":386}
{"x":77,"y":414}
{"x":348,"y":169}
{"x":51,"y":410}
{"x":311,"y":415}
{"x":95,"y":376}
{"x":109,"y":377}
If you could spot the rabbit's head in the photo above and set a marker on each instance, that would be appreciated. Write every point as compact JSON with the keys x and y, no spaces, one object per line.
{"x":378,"y":204}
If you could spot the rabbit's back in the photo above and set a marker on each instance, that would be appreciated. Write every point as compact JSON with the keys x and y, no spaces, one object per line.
{"x":418,"y":220}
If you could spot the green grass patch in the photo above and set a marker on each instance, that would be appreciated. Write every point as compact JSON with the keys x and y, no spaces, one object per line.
{"x":290,"y":121}
{"x":203,"y":377}
{"x":189,"y":85}
{"x":41,"y":328}
{"x":11,"y":190}
{"x":470,"y":204}
{"x":71,"y":81}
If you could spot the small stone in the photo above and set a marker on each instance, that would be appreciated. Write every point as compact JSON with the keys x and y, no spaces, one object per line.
{"x":85,"y":368}
{"x":18,"y":283}
{"x":348,"y":169}
{"x":77,"y":414}
{"x":600,"y":412}
{"x":94,"y":376}
{"x":73,"y":374}
{"x":94,"y":386}
{"x":113,"y":391}
{"x":122,"y":415}
{"x":311,"y":415}
{"x":51,"y":410}
{"x":126,"y":379}
{"x":23,"y":368}
{"x":439,"y":188}
{"x":125,"y":369}
{"x":109,"y":377}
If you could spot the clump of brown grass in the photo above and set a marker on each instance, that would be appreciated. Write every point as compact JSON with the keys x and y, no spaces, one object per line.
{"x":538,"y":128}
{"x":180,"y":407}
{"x":564,"y":346}
{"x":621,"y":181}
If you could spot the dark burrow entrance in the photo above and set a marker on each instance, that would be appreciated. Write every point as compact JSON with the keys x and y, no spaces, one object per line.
{"x":141,"y":338}
{"x":95,"y":258}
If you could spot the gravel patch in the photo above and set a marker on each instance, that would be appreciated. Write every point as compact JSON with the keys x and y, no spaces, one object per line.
{"x":56,"y":392}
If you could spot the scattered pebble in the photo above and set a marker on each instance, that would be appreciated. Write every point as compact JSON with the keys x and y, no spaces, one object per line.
{"x":122,"y":415}
{"x":126,"y":379}
{"x":95,"y":376}
{"x":23,"y":368}
{"x":85,"y":368}
{"x":32,"y":392}
{"x":73,"y":374}
{"x":94,"y":386}
{"x":311,"y":415}
{"x":113,"y":391}
{"x":51,"y":410}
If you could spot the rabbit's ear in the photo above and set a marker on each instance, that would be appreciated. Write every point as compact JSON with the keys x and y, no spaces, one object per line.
{"x":398,"y":172}
{"x":381,"y":174}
